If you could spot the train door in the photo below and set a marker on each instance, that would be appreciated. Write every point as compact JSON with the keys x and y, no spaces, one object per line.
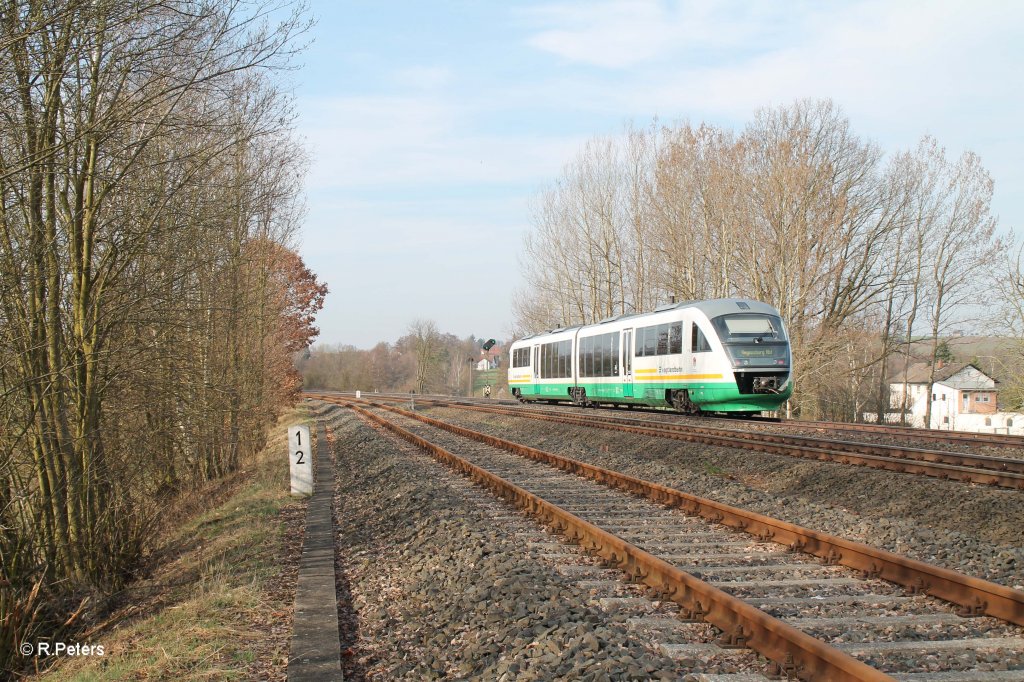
{"x":627,"y":363}
{"x":536,"y":369}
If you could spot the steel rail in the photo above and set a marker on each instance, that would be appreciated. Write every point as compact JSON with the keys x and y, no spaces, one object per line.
{"x":789,"y":648}
{"x":953,"y":437}
{"x":898,"y":452}
{"x":1001,"y":440}
{"x":981,"y":469}
{"x":975,"y":596}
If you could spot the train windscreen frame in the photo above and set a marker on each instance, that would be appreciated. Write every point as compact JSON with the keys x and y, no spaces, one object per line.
{"x":753,"y":339}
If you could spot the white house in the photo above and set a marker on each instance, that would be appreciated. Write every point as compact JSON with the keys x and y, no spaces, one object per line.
{"x":963,"y":398}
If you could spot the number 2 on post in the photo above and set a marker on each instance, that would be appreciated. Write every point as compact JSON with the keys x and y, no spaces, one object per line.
{"x":299,"y":454}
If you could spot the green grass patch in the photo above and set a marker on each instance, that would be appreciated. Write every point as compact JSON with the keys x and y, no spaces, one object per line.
{"x":713,"y":470}
{"x":218,"y":606}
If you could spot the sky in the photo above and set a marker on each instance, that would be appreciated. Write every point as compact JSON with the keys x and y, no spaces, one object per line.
{"x":433,"y":126}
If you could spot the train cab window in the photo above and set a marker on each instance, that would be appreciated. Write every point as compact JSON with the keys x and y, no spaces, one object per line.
{"x":1009,"y":423}
{"x":988,"y":421}
{"x":749,"y":328}
{"x":698,"y":342}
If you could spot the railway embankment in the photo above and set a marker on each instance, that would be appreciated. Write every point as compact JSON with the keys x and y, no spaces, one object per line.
{"x":216,"y":598}
{"x":428,"y":588}
{"x":445,"y":581}
{"x":968,"y":528}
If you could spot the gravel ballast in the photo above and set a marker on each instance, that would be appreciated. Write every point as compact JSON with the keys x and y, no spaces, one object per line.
{"x":968,"y":528}
{"x":438,"y":586}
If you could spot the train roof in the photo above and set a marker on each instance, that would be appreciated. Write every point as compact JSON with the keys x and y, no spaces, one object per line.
{"x":725,"y":306}
{"x":711,"y":308}
{"x":547,"y":332}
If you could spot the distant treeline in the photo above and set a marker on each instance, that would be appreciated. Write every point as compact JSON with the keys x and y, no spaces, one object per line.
{"x":425,"y":360}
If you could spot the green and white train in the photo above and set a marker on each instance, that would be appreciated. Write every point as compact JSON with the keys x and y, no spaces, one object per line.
{"x":726,"y":355}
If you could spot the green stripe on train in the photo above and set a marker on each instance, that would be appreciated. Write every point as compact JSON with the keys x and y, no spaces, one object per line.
{"x":715,"y":397}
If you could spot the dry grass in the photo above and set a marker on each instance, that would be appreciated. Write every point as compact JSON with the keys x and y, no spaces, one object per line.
{"x":218,"y":604}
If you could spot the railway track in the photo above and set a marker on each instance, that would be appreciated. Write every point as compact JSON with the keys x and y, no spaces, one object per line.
{"x":958,"y":437}
{"x":728,"y":567}
{"x":982,"y":469}
{"x":992,"y":440}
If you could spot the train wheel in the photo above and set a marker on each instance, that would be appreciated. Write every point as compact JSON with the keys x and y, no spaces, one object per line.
{"x":681,"y":402}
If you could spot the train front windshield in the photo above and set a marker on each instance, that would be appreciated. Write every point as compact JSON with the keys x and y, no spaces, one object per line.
{"x":753,"y":339}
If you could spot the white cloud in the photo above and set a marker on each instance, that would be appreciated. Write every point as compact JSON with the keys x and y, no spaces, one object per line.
{"x":625,"y":33}
{"x":613,"y":34}
{"x":898,"y":69}
{"x":360,"y":142}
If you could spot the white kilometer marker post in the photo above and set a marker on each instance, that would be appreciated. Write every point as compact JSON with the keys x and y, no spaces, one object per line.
{"x":300,"y":456}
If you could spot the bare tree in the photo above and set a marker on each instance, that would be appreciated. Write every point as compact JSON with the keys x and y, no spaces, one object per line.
{"x":797,"y":211}
{"x":587,"y":259}
{"x":962,"y":244}
{"x":135,"y":191}
{"x":1009,"y":318}
{"x":425,"y":341}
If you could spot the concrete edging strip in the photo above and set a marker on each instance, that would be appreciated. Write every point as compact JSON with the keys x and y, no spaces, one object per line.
{"x":316,"y":645}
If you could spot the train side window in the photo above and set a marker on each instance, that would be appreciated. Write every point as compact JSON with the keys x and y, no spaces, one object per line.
{"x":698,"y":342}
{"x":663,"y":339}
{"x":675,"y":338}
{"x":650,"y":341}
{"x":614,"y":338}
{"x":581,"y":363}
